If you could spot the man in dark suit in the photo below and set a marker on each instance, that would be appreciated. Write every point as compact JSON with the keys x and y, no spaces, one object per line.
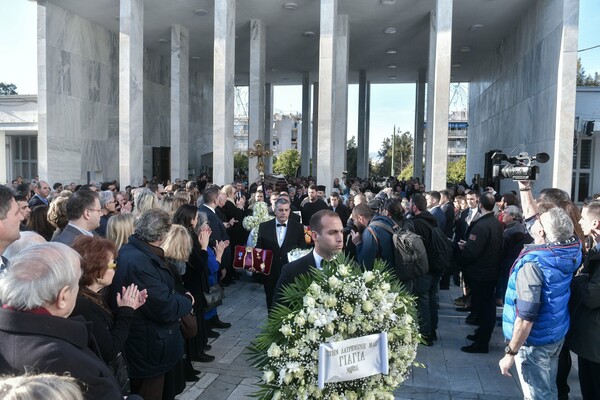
{"x":466,"y":217}
{"x":42,"y":190}
{"x":84,"y":212}
{"x":279,"y":235}
{"x":328,"y":236}
{"x":210,"y":197}
{"x":337,"y":205}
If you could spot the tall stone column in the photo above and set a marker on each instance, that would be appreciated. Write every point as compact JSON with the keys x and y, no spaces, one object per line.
{"x":256,"y":103}
{"x":268,"y":126}
{"x":419,"y":126}
{"x":327,"y":66}
{"x":180,"y":88}
{"x":438,"y":95}
{"x":305,"y":145}
{"x":223,"y":91}
{"x":314,"y":154}
{"x":131,"y":88}
{"x":368,"y":130}
{"x":340,"y":121}
{"x":362,"y":144}
{"x":562,"y":158}
{"x":3,"y":172}
{"x":42,"y":94}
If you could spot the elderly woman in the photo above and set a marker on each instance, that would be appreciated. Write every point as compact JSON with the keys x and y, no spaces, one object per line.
{"x":98,"y":269}
{"x":155,"y":343}
{"x":57,"y":214}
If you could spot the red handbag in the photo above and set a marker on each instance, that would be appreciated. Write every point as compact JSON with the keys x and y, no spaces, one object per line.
{"x":253,"y":259}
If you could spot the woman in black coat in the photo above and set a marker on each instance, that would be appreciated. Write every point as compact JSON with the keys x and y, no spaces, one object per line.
{"x":98,"y":269}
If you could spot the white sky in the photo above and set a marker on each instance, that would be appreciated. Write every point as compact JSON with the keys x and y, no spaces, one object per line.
{"x":391,"y":104}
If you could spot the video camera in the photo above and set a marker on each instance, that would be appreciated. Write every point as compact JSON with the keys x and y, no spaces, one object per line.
{"x":519,"y":168}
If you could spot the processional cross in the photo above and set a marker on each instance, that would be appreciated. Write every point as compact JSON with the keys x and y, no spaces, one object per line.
{"x":259,"y":151}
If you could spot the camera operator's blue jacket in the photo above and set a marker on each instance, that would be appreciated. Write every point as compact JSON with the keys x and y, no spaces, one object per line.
{"x":381,"y":246}
{"x":557,"y":262}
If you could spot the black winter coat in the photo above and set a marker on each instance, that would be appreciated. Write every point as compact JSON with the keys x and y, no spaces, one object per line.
{"x":585,"y":318}
{"x":37,"y":343}
{"x":481,"y":255}
{"x":155,"y":344}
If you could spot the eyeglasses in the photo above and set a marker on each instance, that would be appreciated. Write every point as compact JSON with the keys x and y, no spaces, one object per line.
{"x":532,"y":222}
{"x":112,"y":265}
{"x":93,"y":209}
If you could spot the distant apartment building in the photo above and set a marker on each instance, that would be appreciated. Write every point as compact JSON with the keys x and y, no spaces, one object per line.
{"x":457,"y":134}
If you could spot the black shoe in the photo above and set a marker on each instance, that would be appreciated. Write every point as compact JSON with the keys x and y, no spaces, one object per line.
{"x":191,"y":378}
{"x":216,"y":323}
{"x":475,"y":348}
{"x":463,"y":309}
{"x":472,"y":321}
{"x":207,"y":347}
{"x":213,"y":334}
{"x":433,"y":335}
{"x":472,"y":338}
{"x":203,"y":357}
{"x":426,"y":341}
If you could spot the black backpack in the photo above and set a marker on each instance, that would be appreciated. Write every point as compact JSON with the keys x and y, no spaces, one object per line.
{"x":442,"y":250}
{"x":410,"y":256}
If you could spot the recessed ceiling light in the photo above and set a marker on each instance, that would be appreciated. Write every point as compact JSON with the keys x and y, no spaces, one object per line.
{"x":201,"y":12}
{"x":392,"y":66}
{"x":451,"y":76}
{"x":392,"y":77}
{"x":465,"y":49}
{"x":388,"y":2}
{"x":195,"y":57}
{"x":309,"y":34}
{"x":456,"y":65}
{"x":162,"y":40}
{"x":290,"y":6}
{"x":274,"y":69}
{"x":285,"y":78}
{"x":476,"y":27}
{"x":390,"y":30}
{"x":391,"y":51}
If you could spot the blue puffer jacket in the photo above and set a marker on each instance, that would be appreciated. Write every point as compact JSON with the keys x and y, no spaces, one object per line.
{"x":558,"y":262}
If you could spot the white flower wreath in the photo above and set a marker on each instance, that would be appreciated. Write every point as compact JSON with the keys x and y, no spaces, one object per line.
{"x":338,"y":303}
{"x":260,"y":214}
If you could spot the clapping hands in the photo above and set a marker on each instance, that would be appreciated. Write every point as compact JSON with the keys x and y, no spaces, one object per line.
{"x":132,"y":297}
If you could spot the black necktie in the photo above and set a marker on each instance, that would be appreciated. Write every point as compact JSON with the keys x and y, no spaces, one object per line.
{"x":278,"y":225}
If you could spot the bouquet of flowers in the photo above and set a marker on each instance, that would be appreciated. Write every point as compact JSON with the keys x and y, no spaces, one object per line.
{"x":307,"y":236}
{"x":295,"y":254}
{"x":337,"y":303}
{"x":260,"y":214}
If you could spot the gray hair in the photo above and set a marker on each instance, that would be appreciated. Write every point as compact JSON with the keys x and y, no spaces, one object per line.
{"x":202,"y":219}
{"x":36,"y":276}
{"x":27,"y":239}
{"x":557,"y":225}
{"x":106,"y":196}
{"x":153,"y":225}
{"x":42,"y":386}
{"x":515,"y":212}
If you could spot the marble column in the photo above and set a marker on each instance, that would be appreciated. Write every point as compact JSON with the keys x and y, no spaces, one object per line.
{"x":367,"y":161}
{"x":305,"y":145}
{"x":180,"y":88}
{"x":562,"y":159}
{"x":340,"y":122}
{"x":4,"y":168}
{"x":327,"y":66}
{"x":131,"y":87}
{"x":256,"y":101}
{"x":268,"y":126}
{"x":42,"y":99}
{"x":438,"y":95}
{"x":419,"y":126}
{"x":223,"y":91}
{"x":314,"y":154}
{"x":362,"y":144}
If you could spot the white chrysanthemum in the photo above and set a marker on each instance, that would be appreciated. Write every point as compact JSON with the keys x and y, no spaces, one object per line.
{"x":274,"y":350}
{"x":268,"y":376}
{"x":286,"y":330}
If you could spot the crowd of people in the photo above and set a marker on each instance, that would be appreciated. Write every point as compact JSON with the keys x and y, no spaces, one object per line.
{"x":121,"y":279}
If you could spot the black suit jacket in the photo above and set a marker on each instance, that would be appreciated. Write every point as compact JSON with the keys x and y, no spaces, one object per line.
{"x":267,"y":239}
{"x":216,"y":225}
{"x":343,"y":211}
{"x":68,"y":235}
{"x":291,"y":271}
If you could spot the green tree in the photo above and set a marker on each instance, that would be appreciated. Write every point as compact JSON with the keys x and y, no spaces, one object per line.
{"x":457,"y":170}
{"x":407,"y":172}
{"x":402,"y":154}
{"x":287,"y":163}
{"x":240,"y":162}
{"x":584,"y":79}
{"x":351,"y":156}
{"x":7,"y":88}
